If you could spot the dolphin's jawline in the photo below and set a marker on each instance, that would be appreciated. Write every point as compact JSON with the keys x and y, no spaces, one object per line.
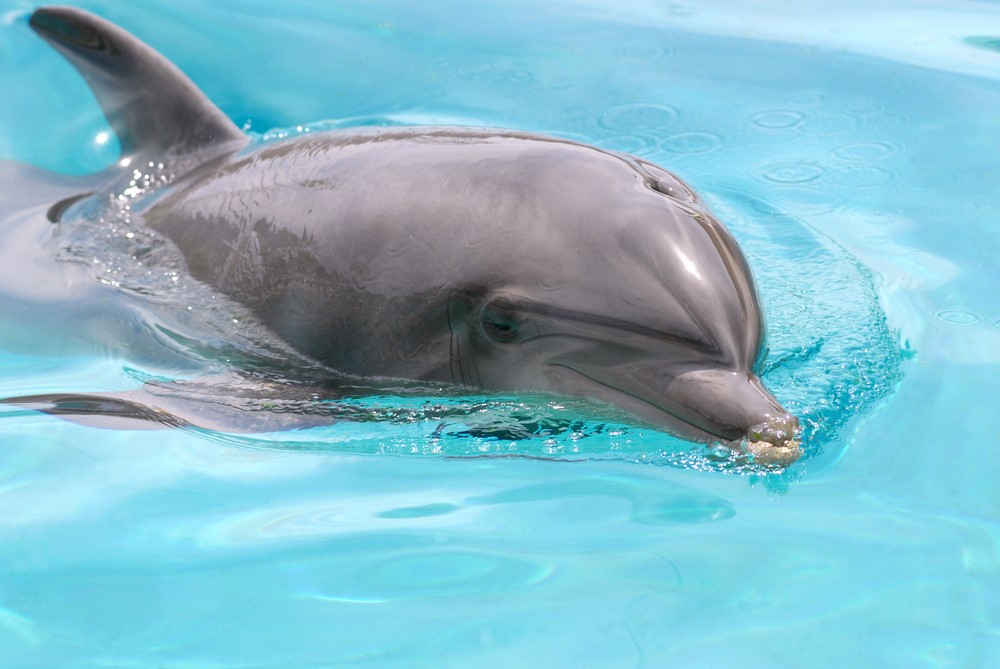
{"x":691,"y":430}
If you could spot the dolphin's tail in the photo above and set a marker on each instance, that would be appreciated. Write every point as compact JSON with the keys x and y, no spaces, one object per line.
{"x":152,"y":106}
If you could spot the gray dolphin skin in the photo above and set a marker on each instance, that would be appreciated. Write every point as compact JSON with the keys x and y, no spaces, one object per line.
{"x":487,"y":259}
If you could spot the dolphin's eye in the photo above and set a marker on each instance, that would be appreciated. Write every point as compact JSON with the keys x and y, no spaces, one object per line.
{"x":499,"y":324}
{"x":501,"y":331}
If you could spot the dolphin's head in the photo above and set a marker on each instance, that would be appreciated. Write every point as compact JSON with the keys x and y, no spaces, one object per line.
{"x":646,"y":303}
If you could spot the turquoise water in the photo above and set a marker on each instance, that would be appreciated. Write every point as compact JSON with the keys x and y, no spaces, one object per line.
{"x":852,"y":149}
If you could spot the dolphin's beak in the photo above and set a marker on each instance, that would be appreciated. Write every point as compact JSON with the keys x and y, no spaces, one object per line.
{"x":704,"y":404}
{"x":736,"y":406}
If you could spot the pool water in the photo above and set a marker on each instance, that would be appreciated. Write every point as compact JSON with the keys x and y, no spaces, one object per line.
{"x":851,"y":147}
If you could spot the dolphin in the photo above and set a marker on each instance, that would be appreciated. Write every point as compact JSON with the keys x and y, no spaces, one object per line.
{"x":484,"y":259}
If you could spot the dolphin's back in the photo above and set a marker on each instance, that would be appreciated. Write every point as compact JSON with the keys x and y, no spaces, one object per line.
{"x":352,"y":198}
{"x":373,"y":221}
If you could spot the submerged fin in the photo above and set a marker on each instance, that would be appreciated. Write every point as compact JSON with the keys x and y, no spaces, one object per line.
{"x":95,"y":410}
{"x":55,"y":212}
{"x":162,"y":405}
{"x":151,"y":105}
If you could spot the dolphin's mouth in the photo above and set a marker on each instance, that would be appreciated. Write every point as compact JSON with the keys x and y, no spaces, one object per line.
{"x":639,"y":407}
{"x":772,"y":441}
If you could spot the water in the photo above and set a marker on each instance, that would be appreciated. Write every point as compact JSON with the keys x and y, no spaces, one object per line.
{"x":852,"y":150}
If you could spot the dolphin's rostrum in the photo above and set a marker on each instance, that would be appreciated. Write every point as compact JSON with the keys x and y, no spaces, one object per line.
{"x":495,"y":260}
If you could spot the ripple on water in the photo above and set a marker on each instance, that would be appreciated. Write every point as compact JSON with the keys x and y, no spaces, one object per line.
{"x":807,"y":99}
{"x":830,"y":124}
{"x":866,"y":151}
{"x":494,"y":73}
{"x":644,"y":52}
{"x":791,"y":172}
{"x":560,"y":84}
{"x":638,"y":116}
{"x":692,"y":142}
{"x":651,"y":501}
{"x":369,"y":573}
{"x":961,"y":317}
{"x":422,"y":511}
{"x":777,"y":119}
{"x":322,"y":518}
{"x":861,"y":177}
{"x":681,"y":9}
{"x":637,"y":145}
{"x":448,"y":573}
{"x":804,"y":198}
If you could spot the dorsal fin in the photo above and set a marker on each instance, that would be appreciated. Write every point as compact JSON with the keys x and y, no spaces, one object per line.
{"x":151,"y":105}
